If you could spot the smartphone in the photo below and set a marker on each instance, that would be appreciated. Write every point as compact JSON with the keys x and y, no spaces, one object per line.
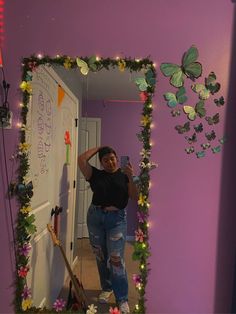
{"x":124,"y":160}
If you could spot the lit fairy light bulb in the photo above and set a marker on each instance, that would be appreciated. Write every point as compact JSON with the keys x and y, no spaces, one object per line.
{"x":21,"y":105}
{"x":98,"y":58}
{"x":117,"y":58}
{"x":143,"y":245}
{"x":136,"y":306}
{"x":148,"y":224}
{"x":137,"y":60}
{"x":142,"y":266}
{"x":152,"y":125}
{"x":18,"y":124}
{"x":58,"y":56}
{"x":39,"y":56}
{"x":150,"y":184}
{"x":155,"y":65}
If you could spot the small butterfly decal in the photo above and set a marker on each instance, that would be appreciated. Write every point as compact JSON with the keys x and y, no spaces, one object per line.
{"x":29,"y":76}
{"x":141,"y":83}
{"x":223,"y":140}
{"x":192,"y":139}
{"x":201,"y":90}
{"x":84,"y":68}
{"x":175,"y":113}
{"x":183,"y":128}
{"x":216,"y":149}
{"x":189,"y":150}
{"x":174,"y":99}
{"x":200,"y":154}
{"x":150,"y":77}
{"x":189,"y":68}
{"x":219,"y":102}
{"x":25,"y":190}
{"x":205,"y":145}
{"x":211,"y":84}
{"x":198,"y":128}
{"x":213,"y":120}
{"x":192,"y":113}
{"x":210,"y":136}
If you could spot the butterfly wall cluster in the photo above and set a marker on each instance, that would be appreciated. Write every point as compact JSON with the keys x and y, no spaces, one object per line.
{"x":199,"y":129}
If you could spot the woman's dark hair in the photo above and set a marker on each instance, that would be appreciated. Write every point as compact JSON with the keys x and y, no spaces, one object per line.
{"x":104,"y":151}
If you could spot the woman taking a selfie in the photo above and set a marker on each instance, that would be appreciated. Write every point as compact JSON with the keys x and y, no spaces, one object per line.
{"x":107,"y":222}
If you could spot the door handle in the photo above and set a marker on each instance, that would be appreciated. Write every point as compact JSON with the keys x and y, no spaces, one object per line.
{"x":56,"y":211}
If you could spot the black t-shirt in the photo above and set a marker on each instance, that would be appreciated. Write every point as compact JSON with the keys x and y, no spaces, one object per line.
{"x":109,"y":189}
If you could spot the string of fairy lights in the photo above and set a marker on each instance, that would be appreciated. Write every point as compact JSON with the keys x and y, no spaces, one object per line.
{"x":26,"y":220}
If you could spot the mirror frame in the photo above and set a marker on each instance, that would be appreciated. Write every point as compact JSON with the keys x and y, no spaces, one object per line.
{"x":25,"y":227}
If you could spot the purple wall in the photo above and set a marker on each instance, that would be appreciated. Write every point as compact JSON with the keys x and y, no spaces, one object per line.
{"x":119,"y":127}
{"x":192,"y":214}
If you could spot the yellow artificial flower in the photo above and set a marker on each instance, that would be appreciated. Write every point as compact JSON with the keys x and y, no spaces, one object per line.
{"x":145,"y":120}
{"x":68,"y":63}
{"x":122,"y":65}
{"x":24,"y":147}
{"x":26,"y":87}
{"x":142,"y":199}
{"x":26,"y":304}
{"x":25,"y":209}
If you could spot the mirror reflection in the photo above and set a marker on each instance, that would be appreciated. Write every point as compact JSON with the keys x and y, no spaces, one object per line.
{"x":69,"y":114}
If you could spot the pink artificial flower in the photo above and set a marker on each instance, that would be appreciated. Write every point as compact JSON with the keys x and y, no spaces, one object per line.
{"x":114,"y":311}
{"x":59,"y":304}
{"x":26,"y":294}
{"x":25,"y":249}
{"x":143,"y":96}
{"x":22,"y":272}
{"x":139,"y":235}
{"x":32,"y":65}
{"x":137,"y":279}
{"x":141,"y":217}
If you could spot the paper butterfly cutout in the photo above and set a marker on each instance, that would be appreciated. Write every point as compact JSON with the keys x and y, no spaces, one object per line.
{"x":183,"y":128}
{"x":192,"y":113}
{"x":216,"y":149}
{"x":201,"y":90}
{"x":84,"y":68}
{"x":219,"y":102}
{"x":189,"y":150}
{"x":211,"y":84}
{"x":141,"y":83}
{"x":213,"y":120}
{"x":175,"y":113}
{"x":198,"y":128}
{"x":205,"y":145}
{"x":210,"y":136}
{"x":174,"y":99}
{"x":150,"y":78}
{"x":189,"y":68}
{"x":192,"y":139}
{"x":200,"y":154}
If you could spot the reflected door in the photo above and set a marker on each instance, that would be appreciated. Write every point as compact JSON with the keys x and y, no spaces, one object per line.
{"x":53,"y":138}
{"x":90,"y":136}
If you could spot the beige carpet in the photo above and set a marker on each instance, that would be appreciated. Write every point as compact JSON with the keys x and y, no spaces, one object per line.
{"x":86,"y":271}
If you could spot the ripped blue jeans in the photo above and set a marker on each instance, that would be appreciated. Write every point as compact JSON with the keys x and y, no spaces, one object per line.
{"x":107,"y":234}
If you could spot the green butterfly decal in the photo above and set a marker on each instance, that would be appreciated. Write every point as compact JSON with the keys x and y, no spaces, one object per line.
{"x":84,"y":68}
{"x":213,"y":120}
{"x":201,"y":90}
{"x":192,"y":113}
{"x":189,"y":68}
{"x":219,"y":102}
{"x":189,"y":150}
{"x":150,"y":78}
{"x":200,"y":154}
{"x":183,"y":128}
{"x":174,"y":99}
{"x":192,"y":139}
{"x":206,"y":145}
{"x":216,"y":149}
{"x":223,"y":140}
{"x":211,"y":84}
{"x":175,"y":113}
{"x":141,"y":83}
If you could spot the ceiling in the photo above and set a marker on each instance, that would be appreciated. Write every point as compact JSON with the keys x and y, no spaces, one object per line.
{"x":106,"y":85}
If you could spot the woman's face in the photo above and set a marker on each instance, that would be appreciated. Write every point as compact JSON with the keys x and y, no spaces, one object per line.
{"x":109,"y":162}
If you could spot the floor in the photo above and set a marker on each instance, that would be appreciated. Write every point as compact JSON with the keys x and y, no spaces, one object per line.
{"x":86,"y":272}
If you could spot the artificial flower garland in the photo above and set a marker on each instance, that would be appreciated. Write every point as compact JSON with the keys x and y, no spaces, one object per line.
{"x":24,"y":190}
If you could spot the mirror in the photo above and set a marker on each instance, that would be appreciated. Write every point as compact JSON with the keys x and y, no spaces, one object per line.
{"x":47,"y":178}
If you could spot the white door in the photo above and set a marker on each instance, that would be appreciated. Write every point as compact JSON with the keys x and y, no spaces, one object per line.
{"x":52,"y":122}
{"x":90,"y":136}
